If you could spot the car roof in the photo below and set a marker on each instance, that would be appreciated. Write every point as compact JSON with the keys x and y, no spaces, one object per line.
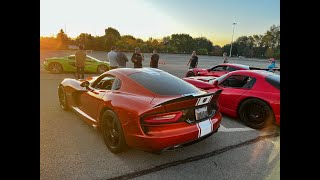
{"x":128,"y":71}
{"x":236,"y":65}
{"x":261,"y":73}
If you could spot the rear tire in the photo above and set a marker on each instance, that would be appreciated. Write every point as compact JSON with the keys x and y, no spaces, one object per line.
{"x":190,"y":74}
{"x":256,"y":113}
{"x":55,"y":68}
{"x":112,"y":132}
{"x":101,"y":69}
{"x":62,"y":98}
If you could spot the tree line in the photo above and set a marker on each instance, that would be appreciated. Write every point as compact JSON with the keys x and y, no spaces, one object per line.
{"x":256,"y":46}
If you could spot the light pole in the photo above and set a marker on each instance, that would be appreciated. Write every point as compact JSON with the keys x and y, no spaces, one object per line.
{"x":234,"y":24}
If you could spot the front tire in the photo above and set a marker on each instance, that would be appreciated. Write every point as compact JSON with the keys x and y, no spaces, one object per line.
{"x":112,"y":132}
{"x":62,"y":98}
{"x":256,"y":113}
{"x":55,"y":68}
{"x":101,"y":69}
{"x":190,"y":74}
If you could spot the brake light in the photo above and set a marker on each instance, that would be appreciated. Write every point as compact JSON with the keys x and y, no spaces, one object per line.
{"x":163,"y":118}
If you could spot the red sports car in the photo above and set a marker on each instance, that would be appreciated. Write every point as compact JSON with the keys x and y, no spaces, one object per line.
{"x":254,"y":95}
{"x":217,"y":71}
{"x":145,"y":108}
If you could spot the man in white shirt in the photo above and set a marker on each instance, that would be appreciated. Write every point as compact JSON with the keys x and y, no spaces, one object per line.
{"x":112,"y":56}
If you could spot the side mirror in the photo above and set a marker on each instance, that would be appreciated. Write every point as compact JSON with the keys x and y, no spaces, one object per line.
{"x":215,"y":83}
{"x":85,"y":84}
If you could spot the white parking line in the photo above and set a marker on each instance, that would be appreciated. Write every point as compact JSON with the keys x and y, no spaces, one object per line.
{"x":224,"y":129}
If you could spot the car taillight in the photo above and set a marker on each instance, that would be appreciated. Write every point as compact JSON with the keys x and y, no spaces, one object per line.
{"x":163,"y":118}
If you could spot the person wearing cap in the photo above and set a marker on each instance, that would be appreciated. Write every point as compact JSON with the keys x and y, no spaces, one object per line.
{"x":272,"y":64}
{"x":137,"y":58}
{"x":112,"y":56}
{"x":193,"y":60}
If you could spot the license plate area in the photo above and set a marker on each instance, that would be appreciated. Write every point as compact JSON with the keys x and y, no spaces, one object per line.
{"x":201,"y":113}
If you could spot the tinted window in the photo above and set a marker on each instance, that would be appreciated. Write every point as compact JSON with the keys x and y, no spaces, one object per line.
{"x":229,"y":68}
{"x":219,"y":68}
{"x":105,"y":83}
{"x":238,"y":81}
{"x":72,"y":57}
{"x":116,"y":84}
{"x":274,"y":80}
{"x":163,"y":83}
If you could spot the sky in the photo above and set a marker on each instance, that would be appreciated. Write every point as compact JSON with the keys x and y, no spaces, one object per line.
{"x":212,"y":19}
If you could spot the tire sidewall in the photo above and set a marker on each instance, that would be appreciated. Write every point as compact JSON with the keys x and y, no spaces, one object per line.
{"x":102,"y":66}
{"x":61,"y":68}
{"x":266,"y":122}
{"x":65,"y":105}
{"x":190,"y":74}
{"x":122,"y":145}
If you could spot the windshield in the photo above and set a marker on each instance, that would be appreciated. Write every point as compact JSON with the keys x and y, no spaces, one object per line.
{"x":163,"y":83}
{"x":93,"y":58}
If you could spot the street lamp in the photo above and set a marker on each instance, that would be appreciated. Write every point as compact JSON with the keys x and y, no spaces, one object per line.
{"x":234,"y":24}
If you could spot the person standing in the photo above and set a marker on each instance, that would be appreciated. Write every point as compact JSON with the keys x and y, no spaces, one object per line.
{"x":112,"y":56}
{"x":225,"y":58}
{"x":154,"y":59}
{"x":137,"y":58}
{"x":193,"y":60}
{"x":121,"y":59}
{"x":80,"y":58}
{"x":272,"y":65}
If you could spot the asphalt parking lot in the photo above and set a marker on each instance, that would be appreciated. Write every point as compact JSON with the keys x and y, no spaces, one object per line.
{"x":72,"y":149}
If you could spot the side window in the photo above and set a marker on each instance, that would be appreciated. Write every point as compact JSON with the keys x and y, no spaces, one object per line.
{"x":116,"y":84}
{"x":89,"y":59}
{"x":238,"y":81}
{"x":104,"y":83}
{"x":229,"y":68}
{"x":219,"y":68}
{"x":72,"y":57}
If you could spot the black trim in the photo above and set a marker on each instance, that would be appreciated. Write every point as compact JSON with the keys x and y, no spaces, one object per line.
{"x":218,"y":92}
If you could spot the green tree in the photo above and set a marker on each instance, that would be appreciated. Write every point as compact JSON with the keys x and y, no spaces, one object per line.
{"x":87,"y":40}
{"x":183,"y":43}
{"x":217,"y":51}
{"x":62,"y":40}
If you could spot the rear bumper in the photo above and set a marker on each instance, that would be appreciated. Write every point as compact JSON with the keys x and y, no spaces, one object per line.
{"x":174,"y":135}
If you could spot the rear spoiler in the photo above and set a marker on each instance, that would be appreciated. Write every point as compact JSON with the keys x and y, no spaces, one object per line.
{"x":188,"y":97}
{"x":266,"y":69}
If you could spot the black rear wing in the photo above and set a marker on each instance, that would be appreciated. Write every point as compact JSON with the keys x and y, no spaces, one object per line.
{"x":189,"y":97}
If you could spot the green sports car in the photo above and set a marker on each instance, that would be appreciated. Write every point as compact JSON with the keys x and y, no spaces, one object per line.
{"x":67,"y":64}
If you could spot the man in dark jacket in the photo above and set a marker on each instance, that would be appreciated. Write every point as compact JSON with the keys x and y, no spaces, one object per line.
{"x":137,"y":58}
{"x":154,"y":59}
{"x":80,"y":57}
{"x":121,"y":59}
{"x":193,"y":60}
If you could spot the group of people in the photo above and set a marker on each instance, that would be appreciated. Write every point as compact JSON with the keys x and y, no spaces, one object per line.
{"x":118,"y":59}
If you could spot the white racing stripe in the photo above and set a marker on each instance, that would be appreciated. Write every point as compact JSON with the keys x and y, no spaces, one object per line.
{"x":205,"y":127}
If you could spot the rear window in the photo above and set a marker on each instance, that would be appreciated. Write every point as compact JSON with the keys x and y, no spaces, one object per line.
{"x":163,"y":83}
{"x":274,"y":80}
